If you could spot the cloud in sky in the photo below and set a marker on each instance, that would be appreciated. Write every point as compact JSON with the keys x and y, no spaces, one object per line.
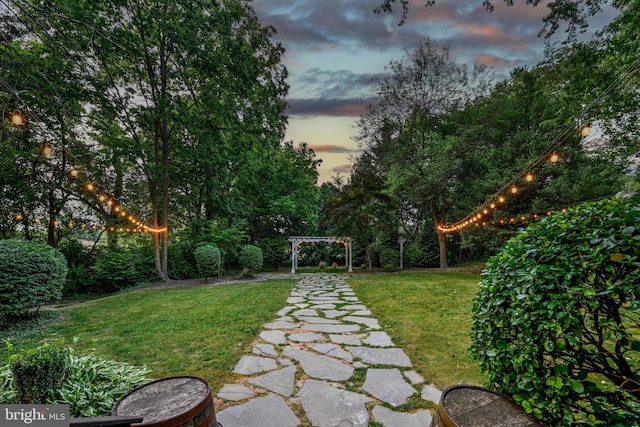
{"x":336,"y":51}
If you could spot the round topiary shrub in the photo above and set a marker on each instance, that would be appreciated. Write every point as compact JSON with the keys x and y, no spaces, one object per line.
{"x":556,"y":322}
{"x":207,"y":259}
{"x":250,"y":257}
{"x":389,"y":259}
{"x":31,"y":275}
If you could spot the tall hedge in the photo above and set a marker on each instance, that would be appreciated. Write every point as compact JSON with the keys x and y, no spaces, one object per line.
{"x":31,"y":275}
{"x":556,"y":323}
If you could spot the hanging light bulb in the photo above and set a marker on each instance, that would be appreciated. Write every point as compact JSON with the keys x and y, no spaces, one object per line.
{"x":529,"y":177}
{"x":89,"y":186}
{"x":501,"y":199}
{"x":586,"y":130}
{"x":514,"y":190}
{"x":74,"y":172}
{"x":47,"y":150}
{"x":554,"y":158}
{"x":17,"y":118}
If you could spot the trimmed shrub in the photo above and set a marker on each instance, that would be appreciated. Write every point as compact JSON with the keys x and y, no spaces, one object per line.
{"x":250,"y":257}
{"x":38,"y":373}
{"x":389,"y":259}
{"x":208,"y":260}
{"x":31,"y":275}
{"x":556,"y":320}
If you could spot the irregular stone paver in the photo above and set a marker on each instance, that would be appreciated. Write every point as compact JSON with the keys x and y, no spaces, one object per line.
{"x":265,"y":350}
{"x":269,"y":411}
{"x":381,"y":356}
{"x":331,"y":328}
{"x":329,"y":406}
{"x":362,"y":313}
{"x":235,"y":392}
{"x":344,"y":339}
{"x":390,"y":418}
{"x":281,"y":324}
{"x":318,"y":320}
{"x":295,"y":300}
{"x":354,"y":307}
{"x":280,"y":381}
{"x":305,"y":312}
{"x":367,"y":321}
{"x":414,"y":377}
{"x":320,"y":367}
{"x":274,"y":337}
{"x":250,"y":365}
{"x":306,"y":337}
{"x":379,"y":339}
{"x":285,"y":311}
{"x":431,"y":392}
{"x":333,"y":351}
{"x":324,"y":307}
{"x":388,"y":386}
{"x":334,"y":313}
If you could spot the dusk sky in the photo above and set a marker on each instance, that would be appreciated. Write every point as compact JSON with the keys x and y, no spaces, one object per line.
{"x":336,"y":49}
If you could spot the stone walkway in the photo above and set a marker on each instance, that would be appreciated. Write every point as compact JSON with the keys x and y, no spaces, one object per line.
{"x":325,"y":362}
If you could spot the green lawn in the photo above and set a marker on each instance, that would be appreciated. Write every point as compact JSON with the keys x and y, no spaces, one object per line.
{"x":204,"y":331}
{"x":201,"y":331}
{"x":428,"y":314}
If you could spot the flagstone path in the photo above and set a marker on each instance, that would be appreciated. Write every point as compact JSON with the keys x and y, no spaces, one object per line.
{"x":324,"y":362}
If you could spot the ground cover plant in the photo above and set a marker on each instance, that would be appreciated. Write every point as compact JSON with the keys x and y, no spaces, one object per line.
{"x":428,"y":314}
{"x":201,"y":331}
{"x":556,"y":322}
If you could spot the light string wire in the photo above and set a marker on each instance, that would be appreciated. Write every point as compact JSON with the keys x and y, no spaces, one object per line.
{"x":99,"y":191}
{"x":582,"y":119}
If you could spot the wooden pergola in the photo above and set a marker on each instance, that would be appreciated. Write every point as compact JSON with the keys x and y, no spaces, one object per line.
{"x":296,"y":241}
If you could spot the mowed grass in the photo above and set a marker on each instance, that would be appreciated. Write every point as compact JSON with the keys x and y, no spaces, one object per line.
{"x":428,"y":314}
{"x":201,"y":331}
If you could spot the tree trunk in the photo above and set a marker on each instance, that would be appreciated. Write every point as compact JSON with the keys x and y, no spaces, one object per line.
{"x":442,"y":244}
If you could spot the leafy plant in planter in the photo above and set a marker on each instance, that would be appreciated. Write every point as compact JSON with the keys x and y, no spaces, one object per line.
{"x":556,"y":320}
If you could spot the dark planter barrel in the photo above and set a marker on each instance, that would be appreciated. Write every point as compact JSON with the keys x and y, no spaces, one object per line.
{"x":170,"y":402}
{"x":471,"y":406}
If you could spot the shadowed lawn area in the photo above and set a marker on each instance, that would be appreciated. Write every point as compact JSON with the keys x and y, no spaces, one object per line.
{"x":428,"y":314}
{"x":201,"y":331}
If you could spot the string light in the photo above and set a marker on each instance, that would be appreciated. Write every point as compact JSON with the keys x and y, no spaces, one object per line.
{"x":17,"y":118}
{"x":554,"y":158}
{"x":586,"y":130}
{"x":529,"y":177}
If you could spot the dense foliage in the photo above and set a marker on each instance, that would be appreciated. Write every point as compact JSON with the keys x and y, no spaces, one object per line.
{"x":208,"y":260}
{"x":31,"y":275}
{"x":250,"y":257}
{"x":92,"y":384}
{"x":557,"y":317}
{"x":39,"y":372}
{"x":389,"y":259}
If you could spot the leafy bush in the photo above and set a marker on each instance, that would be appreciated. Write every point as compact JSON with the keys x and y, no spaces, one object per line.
{"x":92,"y":387}
{"x":181,"y":262}
{"x":389,"y":259}
{"x":556,"y":322}
{"x":38,"y":373}
{"x":250,"y":257}
{"x":31,"y":275}
{"x":208,"y":260}
{"x":120,"y":269}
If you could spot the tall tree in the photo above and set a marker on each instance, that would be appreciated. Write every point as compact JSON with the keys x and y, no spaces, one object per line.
{"x":175,"y":75}
{"x":401,"y":128}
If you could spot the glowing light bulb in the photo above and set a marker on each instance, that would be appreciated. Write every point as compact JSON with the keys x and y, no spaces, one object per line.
{"x":529,"y":177}
{"x":554,"y":158}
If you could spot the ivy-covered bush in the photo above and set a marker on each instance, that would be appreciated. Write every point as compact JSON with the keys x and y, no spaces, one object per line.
{"x":92,"y":387}
{"x":31,"y":275}
{"x":250,"y":257}
{"x":39,"y":372}
{"x":207,"y":259}
{"x":389,"y":259}
{"x":556,"y":322}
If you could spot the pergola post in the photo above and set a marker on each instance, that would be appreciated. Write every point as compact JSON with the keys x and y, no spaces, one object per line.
{"x":293,"y":256}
